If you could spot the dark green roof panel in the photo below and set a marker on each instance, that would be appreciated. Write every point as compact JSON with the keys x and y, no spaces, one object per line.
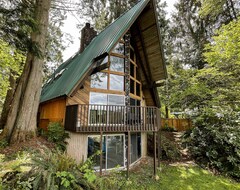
{"x":74,"y":68}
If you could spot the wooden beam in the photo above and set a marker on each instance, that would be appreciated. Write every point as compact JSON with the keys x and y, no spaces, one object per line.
{"x":144,"y":51}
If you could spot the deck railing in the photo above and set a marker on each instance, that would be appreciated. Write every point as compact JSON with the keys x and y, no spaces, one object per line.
{"x":111,"y":118}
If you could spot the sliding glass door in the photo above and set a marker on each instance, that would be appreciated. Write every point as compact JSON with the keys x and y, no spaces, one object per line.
{"x":113,"y":150}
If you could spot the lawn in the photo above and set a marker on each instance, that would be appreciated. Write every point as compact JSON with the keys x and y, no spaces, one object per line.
{"x":178,"y":178}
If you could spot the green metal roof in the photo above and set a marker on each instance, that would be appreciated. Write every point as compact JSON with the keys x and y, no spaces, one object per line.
{"x":66,"y":77}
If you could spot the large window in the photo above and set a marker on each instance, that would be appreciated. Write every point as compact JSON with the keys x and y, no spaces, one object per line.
{"x":135,"y":84}
{"x":111,"y":78}
{"x":113,"y":150}
{"x":106,"y":109}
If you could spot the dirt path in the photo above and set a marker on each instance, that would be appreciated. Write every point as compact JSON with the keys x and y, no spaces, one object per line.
{"x":185,"y":158}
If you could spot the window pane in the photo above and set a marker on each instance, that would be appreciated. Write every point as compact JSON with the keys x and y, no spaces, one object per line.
{"x":132,"y":54}
{"x":132,"y":86}
{"x":137,"y":89}
{"x":116,"y":82}
{"x":138,"y":75}
{"x":94,"y":147}
{"x":99,"y":80}
{"x":115,"y":151}
{"x":132,"y":69}
{"x":119,"y":48}
{"x":116,"y":100}
{"x":117,"y":64}
{"x":98,"y":98}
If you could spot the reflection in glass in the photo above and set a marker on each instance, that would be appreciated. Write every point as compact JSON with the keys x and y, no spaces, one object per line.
{"x":98,"y":114}
{"x":115,"y":151}
{"x":94,"y":147}
{"x":137,"y":89}
{"x":116,"y":82}
{"x":135,"y":146}
{"x":98,"y":98}
{"x":99,"y":80}
{"x":112,"y":150}
{"x":119,"y":48}
{"x":117,"y":64}
{"x":116,"y":113}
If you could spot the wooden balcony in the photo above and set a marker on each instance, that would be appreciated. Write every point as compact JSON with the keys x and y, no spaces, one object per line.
{"x":111,"y":118}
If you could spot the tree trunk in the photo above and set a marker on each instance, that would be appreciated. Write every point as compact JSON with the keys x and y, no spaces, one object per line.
{"x":22,"y":118}
{"x":8,"y":99}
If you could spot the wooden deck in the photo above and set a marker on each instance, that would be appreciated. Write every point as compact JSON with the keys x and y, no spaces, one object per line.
{"x":111,"y":118}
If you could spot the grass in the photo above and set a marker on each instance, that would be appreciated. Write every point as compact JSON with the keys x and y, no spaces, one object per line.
{"x":179,"y":178}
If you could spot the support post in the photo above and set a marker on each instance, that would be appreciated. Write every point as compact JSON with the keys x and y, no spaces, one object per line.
{"x":159,"y":141}
{"x":155,"y":154}
{"x":101,"y":135}
{"x":128,"y":153}
{"x":159,"y":147}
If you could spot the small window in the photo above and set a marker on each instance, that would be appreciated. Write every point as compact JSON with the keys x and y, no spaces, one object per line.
{"x":132,"y":54}
{"x":116,"y":99}
{"x":98,"y":98}
{"x":99,"y":80}
{"x":116,"y":82}
{"x":131,"y":86}
{"x":137,"y":89}
{"x":132,"y":69}
{"x":117,"y":64}
{"x":119,"y":48}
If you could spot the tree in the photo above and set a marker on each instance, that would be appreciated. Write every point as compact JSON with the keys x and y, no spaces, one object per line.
{"x":22,"y":117}
{"x":103,"y":12}
{"x":16,"y":25}
{"x":10,"y":69}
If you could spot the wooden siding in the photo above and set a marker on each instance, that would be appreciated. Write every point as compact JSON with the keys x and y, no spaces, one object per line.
{"x":178,"y":124}
{"x":52,"y":111}
{"x":77,"y":146}
{"x":81,"y":96}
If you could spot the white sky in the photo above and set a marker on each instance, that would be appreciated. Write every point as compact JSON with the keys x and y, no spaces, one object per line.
{"x":70,"y":27}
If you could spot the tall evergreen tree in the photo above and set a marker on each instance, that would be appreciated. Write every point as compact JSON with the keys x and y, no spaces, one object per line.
{"x":21,"y":121}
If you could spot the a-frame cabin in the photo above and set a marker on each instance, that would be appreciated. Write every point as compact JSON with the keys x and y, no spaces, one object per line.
{"x":106,"y":97}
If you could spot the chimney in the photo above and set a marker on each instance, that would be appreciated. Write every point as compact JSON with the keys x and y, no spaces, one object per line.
{"x":87,"y":34}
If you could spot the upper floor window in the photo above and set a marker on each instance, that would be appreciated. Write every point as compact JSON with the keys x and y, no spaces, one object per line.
{"x":111,"y":78}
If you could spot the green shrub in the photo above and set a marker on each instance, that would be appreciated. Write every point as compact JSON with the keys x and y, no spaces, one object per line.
{"x":215,"y":141}
{"x":50,"y":171}
{"x":3,"y":143}
{"x":169,"y":150}
{"x":57,"y":134}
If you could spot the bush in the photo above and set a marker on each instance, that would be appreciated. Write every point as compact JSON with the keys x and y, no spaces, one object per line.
{"x":3,"y":143}
{"x":50,"y":171}
{"x":57,"y":134}
{"x":169,"y":150}
{"x":215,"y":141}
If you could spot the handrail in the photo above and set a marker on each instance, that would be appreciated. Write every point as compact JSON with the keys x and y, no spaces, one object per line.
{"x":111,"y":118}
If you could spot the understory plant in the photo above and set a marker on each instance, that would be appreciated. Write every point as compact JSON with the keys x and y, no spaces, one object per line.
{"x":215,"y":142}
{"x":52,"y":170}
{"x":169,"y":150}
{"x":56,"y":134}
